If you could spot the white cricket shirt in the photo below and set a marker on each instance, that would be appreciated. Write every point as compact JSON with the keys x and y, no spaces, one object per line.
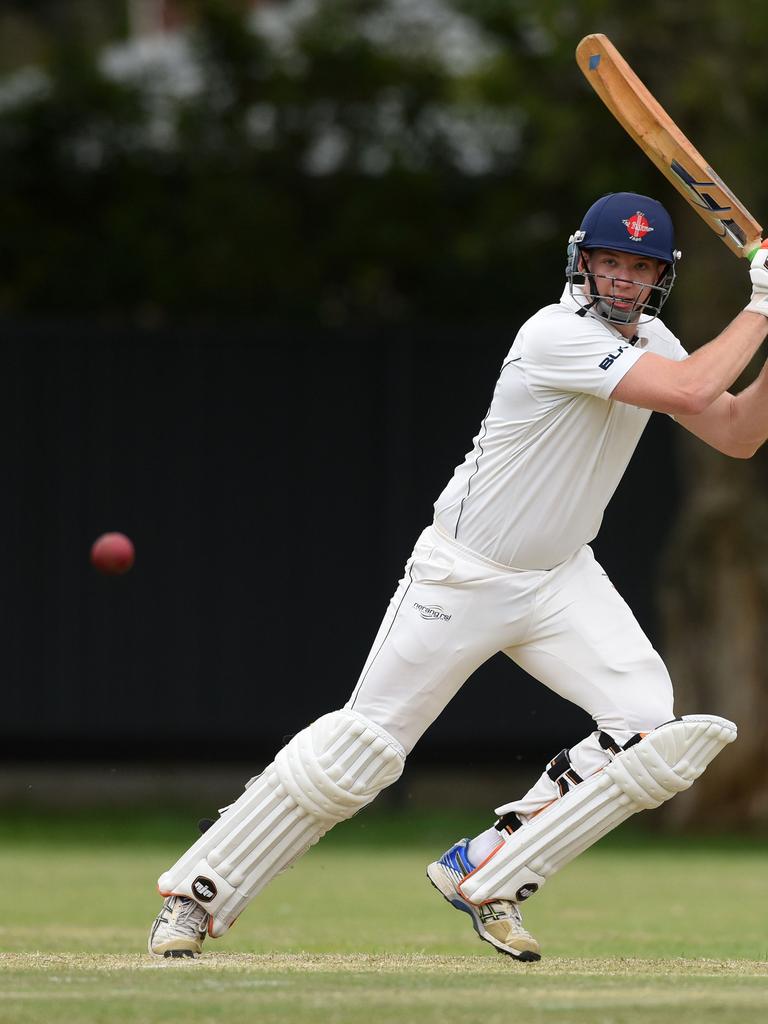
{"x":553,"y":446}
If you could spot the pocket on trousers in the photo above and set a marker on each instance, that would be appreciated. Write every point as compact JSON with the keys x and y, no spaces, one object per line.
{"x":431,"y":566}
{"x":428,"y":614}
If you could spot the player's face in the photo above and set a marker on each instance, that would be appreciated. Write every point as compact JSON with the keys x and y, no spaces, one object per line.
{"x":622,"y":277}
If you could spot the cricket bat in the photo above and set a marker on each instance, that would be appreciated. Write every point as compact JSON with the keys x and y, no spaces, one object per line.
{"x":658,"y":136}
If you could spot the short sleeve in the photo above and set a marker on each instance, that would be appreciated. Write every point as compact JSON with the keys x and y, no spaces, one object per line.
{"x":570,"y":353}
{"x":664,"y":343}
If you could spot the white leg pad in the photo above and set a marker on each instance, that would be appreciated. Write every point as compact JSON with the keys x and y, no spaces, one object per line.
{"x":327,"y":773}
{"x":663,"y":763}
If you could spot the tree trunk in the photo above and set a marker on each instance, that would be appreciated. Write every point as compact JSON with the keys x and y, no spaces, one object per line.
{"x":714,"y":579}
{"x":714,"y":600}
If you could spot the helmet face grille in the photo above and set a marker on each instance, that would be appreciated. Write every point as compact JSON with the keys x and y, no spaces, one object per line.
{"x":617,"y":314}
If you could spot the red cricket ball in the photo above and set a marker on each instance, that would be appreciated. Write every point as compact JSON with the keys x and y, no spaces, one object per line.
{"x":113,"y":554}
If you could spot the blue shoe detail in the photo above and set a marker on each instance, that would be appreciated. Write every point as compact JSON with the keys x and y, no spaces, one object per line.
{"x":457,"y":858}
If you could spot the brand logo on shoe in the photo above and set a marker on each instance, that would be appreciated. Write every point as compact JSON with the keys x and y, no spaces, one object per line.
{"x":525,"y":891}
{"x":433,"y":611}
{"x":203,"y":889}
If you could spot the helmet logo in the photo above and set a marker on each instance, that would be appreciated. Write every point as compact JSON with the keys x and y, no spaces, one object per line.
{"x":637,"y":226}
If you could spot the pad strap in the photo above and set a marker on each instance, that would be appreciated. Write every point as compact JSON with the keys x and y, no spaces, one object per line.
{"x":562,"y":773}
{"x":509,"y":822}
{"x":609,"y":744}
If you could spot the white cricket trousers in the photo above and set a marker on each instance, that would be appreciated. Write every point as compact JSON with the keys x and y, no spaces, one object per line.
{"x":567,"y":627}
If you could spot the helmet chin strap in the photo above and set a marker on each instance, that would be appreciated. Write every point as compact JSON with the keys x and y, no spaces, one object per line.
{"x":593,"y":293}
{"x":594,"y":298}
{"x":586,"y":309}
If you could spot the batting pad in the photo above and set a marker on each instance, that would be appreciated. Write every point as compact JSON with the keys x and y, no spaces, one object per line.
{"x":661,"y":764}
{"x":327,"y":773}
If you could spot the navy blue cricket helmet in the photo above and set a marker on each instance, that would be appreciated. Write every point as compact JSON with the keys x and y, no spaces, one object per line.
{"x":625,"y":222}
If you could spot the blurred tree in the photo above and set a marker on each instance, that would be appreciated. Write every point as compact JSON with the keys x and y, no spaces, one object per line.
{"x":342,"y":169}
{"x":29,"y":29}
{"x":359,"y":162}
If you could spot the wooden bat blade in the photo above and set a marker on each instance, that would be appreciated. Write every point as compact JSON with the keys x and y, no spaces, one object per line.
{"x":661,"y":140}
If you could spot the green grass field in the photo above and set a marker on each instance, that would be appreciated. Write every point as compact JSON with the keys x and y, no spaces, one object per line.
{"x":636,"y":929}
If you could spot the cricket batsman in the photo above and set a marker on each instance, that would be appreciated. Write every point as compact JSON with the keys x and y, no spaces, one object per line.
{"x":506,"y":566}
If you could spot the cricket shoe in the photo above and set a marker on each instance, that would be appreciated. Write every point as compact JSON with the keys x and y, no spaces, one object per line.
{"x":179,"y":929}
{"x":498,"y":922}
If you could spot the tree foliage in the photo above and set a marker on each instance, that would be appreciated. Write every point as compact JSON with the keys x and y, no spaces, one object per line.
{"x":380,"y":163}
{"x":367,"y":163}
{"x":346,"y":175}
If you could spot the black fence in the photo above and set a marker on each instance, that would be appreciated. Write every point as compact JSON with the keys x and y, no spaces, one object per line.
{"x":274,"y":484}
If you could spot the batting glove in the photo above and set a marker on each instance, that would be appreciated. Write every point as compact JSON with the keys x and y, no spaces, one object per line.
{"x":758,"y":273}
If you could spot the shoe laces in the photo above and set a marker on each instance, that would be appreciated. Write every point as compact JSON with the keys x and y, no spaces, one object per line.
{"x":190,"y":917}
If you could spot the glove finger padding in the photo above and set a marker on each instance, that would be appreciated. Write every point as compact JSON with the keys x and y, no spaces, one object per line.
{"x":758,"y":273}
